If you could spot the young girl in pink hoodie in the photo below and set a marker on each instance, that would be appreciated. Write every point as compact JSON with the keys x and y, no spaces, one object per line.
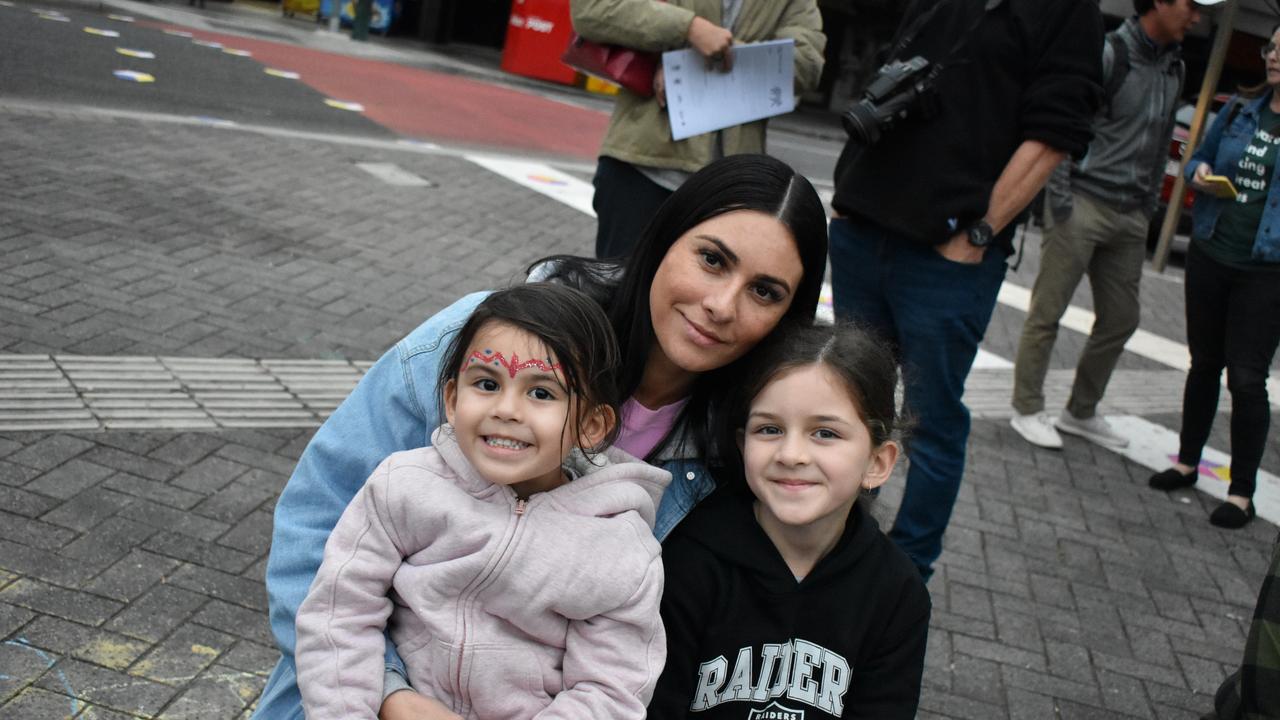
{"x":513,"y":561}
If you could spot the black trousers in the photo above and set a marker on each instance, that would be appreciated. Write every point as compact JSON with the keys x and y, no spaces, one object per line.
{"x":1233,"y":322}
{"x":624,"y":202}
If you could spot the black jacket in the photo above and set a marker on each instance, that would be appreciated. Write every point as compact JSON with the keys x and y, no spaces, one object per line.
{"x":1032,"y":70}
{"x":848,"y":641}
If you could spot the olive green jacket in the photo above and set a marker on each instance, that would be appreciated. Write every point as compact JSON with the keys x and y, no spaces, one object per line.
{"x":639,"y":132}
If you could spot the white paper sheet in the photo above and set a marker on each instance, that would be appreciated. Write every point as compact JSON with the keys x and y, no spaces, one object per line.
{"x":701,"y":100}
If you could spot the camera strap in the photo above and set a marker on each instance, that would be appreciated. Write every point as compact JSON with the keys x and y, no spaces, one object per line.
{"x":909,"y":33}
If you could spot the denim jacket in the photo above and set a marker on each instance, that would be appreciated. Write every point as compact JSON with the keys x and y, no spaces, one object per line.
{"x":1221,"y":149}
{"x":393,"y":408}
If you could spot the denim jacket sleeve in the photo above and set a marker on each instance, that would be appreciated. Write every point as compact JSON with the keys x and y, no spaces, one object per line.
{"x":1207,"y":151}
{"x":391,"y":409}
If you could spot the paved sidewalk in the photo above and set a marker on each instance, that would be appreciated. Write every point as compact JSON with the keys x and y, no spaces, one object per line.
{"x":131,"y":561}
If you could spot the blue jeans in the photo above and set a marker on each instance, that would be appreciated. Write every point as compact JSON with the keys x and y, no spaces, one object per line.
{"x":935,"y":312}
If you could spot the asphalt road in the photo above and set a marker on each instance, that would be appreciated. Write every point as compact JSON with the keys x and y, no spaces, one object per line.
{"x":59,"y":61}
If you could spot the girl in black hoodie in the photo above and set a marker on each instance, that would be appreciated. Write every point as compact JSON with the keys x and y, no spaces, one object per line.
{"x":784,"y":601}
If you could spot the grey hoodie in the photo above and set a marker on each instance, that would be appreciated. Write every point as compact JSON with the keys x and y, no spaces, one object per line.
{"x":1125,"y":162}
{"x":500,"y":608}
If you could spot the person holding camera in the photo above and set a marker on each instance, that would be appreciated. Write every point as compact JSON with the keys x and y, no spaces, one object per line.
{"x":639,"y":164}
{"x":980,"y":101}
{"x":1098,"y":213}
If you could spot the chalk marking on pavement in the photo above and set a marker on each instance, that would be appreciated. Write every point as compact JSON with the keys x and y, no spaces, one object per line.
{"x":140,"y":54}
{"x":103,"y":33}
{"x":286,"y":74}
{"x":237,"y":52}
{"x":22,"y":642}
{"x":121,"y":18}
{"x":393,"y":174}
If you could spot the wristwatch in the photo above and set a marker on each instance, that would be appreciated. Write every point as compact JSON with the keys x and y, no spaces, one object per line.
{"x":980,"y":234}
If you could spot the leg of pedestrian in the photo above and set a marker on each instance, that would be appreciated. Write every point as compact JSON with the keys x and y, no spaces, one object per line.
{"x":625,"y":201}
{"x":1065,"y":253}
{"x":1115,"y":275}
{"x":941,"y":310}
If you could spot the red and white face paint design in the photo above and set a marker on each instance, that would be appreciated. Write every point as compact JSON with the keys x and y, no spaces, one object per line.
{"x":515,"y":365}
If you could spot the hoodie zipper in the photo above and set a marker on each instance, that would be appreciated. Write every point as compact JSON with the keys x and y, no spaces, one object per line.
{"x":521,"y":506}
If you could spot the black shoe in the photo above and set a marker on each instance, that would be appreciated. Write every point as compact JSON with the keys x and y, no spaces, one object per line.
{"x":1230,"y":516}
{"x":1171,"y":479}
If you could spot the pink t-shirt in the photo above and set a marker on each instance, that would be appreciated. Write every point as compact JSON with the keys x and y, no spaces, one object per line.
{"x":643,"y":429}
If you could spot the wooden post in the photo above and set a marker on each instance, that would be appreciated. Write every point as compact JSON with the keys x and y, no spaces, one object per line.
{"x":1226,"y":22}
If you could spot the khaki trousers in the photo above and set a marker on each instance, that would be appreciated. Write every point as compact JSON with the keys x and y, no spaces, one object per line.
{"x":1109,"y":246}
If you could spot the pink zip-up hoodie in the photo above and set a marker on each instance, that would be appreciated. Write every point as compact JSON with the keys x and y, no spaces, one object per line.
{"x":500,"y":608}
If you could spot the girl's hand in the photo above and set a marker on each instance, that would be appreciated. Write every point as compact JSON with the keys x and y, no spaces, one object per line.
{"x":409,"y":705}
{"x":712,"y":42}
{"x":1202,"y":171}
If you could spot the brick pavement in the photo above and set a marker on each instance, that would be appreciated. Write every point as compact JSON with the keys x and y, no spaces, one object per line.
{"x":131,"y":563}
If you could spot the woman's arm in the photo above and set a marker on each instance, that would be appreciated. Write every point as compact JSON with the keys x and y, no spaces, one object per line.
{"x":384,"y":414}
{"x":650,"y":25}
{"x":802,"y":22}
{"x":612,"y":661}
{"x":340,"y":624}
{"x":1207,"y":151}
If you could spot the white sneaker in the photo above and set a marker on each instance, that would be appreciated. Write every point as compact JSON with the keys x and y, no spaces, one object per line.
{"x":1095,"y":428}
{"x":1037,"y":429}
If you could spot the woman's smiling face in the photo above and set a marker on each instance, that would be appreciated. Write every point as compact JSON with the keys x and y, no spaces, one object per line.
{"x":722,"y":287}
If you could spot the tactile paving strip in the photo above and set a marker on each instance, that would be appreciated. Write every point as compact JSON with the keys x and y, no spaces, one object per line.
{"x":80,"y":392}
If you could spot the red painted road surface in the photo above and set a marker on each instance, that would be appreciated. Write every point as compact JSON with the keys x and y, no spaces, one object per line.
{"x":429,"y":105}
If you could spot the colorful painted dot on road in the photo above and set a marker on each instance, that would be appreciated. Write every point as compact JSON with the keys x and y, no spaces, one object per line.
{"x":121,"y":18}
{"x":51,"y":15}
{"x":237,"y":53}
{"x":208,"y":44}
{"x":215,"y":122}
{"x":546,"y":180}
{"x":141,"y":54}
{"x":342,"y":105}
{"x":286,"y":74}
{"x":177,"y":33}
{"x":422,"y":144}
{"x":103,"y":33}
{"x":134,"y":76}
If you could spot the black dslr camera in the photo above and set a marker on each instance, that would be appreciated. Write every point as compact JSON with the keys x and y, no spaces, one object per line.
{"x":900,"y":89}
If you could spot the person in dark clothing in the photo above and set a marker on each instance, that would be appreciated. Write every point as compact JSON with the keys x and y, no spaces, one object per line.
{"x":925,"y":215}
{"x":791,"y":602}
{"x":1233,"y":293}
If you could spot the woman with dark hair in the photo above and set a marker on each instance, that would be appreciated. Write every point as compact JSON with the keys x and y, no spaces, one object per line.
{"x":1233,"y":292}
{"x":737,"y":250}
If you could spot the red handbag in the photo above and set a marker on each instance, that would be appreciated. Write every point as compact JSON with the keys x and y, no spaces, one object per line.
{"x":632,"y":69}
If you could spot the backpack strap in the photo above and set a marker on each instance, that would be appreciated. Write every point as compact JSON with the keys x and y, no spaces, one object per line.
{"x":1119,"y":69}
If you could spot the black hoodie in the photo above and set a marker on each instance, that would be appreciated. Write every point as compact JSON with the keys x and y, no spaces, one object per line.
{"x":746,"y":641}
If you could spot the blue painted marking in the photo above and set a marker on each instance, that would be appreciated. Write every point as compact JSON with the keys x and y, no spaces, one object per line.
{"x":49,"y":662}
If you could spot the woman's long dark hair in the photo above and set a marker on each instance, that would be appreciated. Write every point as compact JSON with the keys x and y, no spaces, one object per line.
{"x":736,"y":182}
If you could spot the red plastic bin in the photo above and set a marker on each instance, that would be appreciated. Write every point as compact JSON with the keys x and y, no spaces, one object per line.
{"x":537,"y":34}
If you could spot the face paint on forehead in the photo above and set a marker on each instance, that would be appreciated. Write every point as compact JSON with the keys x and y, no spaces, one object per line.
{"x":513,"y":366}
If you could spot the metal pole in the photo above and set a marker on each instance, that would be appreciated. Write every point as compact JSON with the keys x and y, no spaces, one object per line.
{"x":335,"y":13}
{"x":1226,"y":21}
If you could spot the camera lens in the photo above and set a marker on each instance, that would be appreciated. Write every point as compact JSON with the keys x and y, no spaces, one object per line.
{"x":861,"y":122}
